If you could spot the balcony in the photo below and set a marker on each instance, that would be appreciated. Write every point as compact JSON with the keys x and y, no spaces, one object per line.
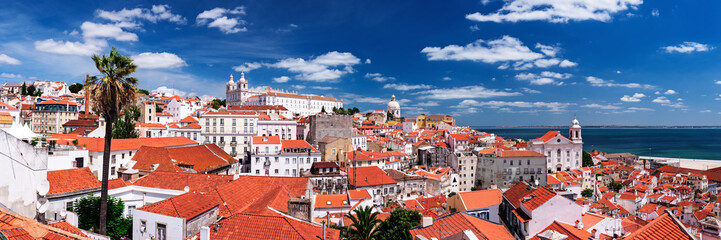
{"x":233,"y":143}
{"x":221,"y":143}
{"x":266,"y":163}
{"x":233,"y":153}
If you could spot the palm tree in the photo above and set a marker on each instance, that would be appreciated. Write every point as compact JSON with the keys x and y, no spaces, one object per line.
{"x":110,"y":92}
{"x":364,"y":224}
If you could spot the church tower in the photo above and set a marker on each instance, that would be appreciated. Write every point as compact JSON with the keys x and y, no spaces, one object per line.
{"x":574,"y":132}
{"x":394,"y":107}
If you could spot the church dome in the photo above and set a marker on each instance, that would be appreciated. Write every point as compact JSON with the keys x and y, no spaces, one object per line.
{"x":393,"y":105}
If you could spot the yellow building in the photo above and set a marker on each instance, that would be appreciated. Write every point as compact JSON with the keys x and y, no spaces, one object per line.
{"x":49,"y":116}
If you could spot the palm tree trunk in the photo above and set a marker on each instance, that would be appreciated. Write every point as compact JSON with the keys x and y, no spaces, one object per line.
{"x":106,"y":166}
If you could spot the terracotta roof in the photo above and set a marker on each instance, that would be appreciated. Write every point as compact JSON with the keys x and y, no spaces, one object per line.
{"x":566,"y":229}
{"x":265,"y":140}
{"x":255,"y":108}
{"x":516,"y":193}
{"x":61,"y":102}
{"x":97,"y":144}
{"x":117,"y":183}
{"x":151,"y":125}
{"x":538,"y":197}
{"x":178,"y":181}
{"x":187,"y":206}
{"x":274,"y":226}
{"x":8,"y":106}
{"x":14,"y":226}
{"x":481,"y":198}
{"x":664,"y":227}
{"x":458,"y":222}
{"x":548,"y":136}
{"x":189,"y":119}
{"x":67,"y":227}
{"x":70,"y":180}
{"x":368,"y":176}
{"x":331,"y":201}
{"x":191,"y":126}
{"x":296,"y":144}
{"x":358,"y":194}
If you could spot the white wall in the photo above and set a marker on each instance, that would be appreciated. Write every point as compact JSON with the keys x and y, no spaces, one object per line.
{"x":545,"y":214}
{"x":174,"y":226}
{"x":23,"y":168}
{"x":61,"y":160}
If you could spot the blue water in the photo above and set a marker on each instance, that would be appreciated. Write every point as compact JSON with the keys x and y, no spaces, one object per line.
{"x":697,"y":143}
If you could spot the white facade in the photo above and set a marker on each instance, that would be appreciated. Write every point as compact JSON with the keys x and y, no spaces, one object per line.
{"x":394,"y":107}
{"x":562,"y":154}
{"x":273,"y":157}
{"x":51,"y":88}
{"x":269,"y":125}
{"x":182,"y":108}
{"x":190,"y":133}
{"x":359,"y":141}
{"x":548,"y":212}
{"x":147,"y":225}
{"x":24,"y":169}
{"x":231,"y":131}
{"x":67,"y":159}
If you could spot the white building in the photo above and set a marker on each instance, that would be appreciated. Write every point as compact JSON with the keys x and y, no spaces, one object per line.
{"x":277,"y":125}
{"x":182,"y":108}
{"x":561,"y":153}
{"x":503,"y":168}
{"x":394,"y":107}
{"x":187,"y":127}
{"x":271,"y":156}
{"x":51,"y":88}
{"x":231,"y":131}
{"x":359,"y":140}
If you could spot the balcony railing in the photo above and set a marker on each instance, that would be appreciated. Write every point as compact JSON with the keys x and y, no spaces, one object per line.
{"x":233,"y":143}
{"x":266,"y":163}
{"x":221,"y":143}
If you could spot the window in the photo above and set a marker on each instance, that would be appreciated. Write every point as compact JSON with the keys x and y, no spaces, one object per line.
{"x":287,"y":172}
{"x":160,"y":232}
{"x":112,"y":171}
{"x":257,"y":172}
{"x":528,"y":162}
{"x":69,"y":206}
{"x":276,"y":171}
{"x":143,"y":225}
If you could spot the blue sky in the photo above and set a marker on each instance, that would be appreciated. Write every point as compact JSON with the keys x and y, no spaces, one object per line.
{"x":507,"y":63}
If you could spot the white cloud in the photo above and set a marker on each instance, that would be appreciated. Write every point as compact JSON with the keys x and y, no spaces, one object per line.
{"x":466,"y":92}
{"x":406,"y":87}
{"x":378,"y":77}
{"x":227,"y":20}
{"x":70,"y":48}
{"x":324,"y":68}
{"x":350,"y":98}
{"x":446,"y":78}
{"x":98,"y":30}
{"x":705,"y":111}
{"x":247,"y":67}
{"x":635,"y":98}
{"x":544,"y":78}
{"x":322,"y":87}
{"x":635,"y":109}
{"x":566,"y":63}
{"x":655,"y":12}
{"x":528,"y":90}
{"x":166,"y":91}
{"x":158,"y":60}
{"x":154,"y":14}
{"x":687,"y":47}
{"x":549,"y":106}
{"x":603,"y":107}
{"x":368,"y":61}
{"x":556,"y":11}
{"x":10,"y":75}
{"x":618,"y":71}
{"x":474,"y":28}
{"x":428,"y":104}
{"x":505,"y":50}
{"x":597,"y":82}
{"x":670,"y":92}
{"x":548,"y":50}
{"x":298,"y":86}
{"x":717,"y":82}
{"x":4,"y":58}
{"x":281,"y":79}
{"x":500,"y":50}
{"x":662,"y":100}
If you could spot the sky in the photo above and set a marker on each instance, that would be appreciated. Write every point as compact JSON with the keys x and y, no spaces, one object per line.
{"x":487,"y":63}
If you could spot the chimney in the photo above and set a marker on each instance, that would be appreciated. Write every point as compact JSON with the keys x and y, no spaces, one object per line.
{"x":427,"y":221}
{"x":204,"y":233}
{"x":323,"y":231}
{"x":594,"y":233}
{"x":579,"y":225}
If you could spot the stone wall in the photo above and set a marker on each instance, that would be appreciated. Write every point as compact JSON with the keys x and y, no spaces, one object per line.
{"x":323,"y":125}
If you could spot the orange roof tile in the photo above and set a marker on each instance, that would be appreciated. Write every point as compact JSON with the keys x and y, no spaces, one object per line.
{"x":358,"y":194}
{"x":70,"y":180}
{"x":538,"y":197}
{"x":61,"y":102}
{"x":178,"y":181}
{"x":665,"y":227}
{"x":520,"y":153}
{"x":458,"y":222}
{"x":67,"y":227}
{"x":274,"y":226}
{"x":331,"y":201}
{"x":481,"y":198}
{"x":516,"y":193}
{"x":265,"y":140}
{"x":296,"y":144}
{"x":189,"y":119}
{"x":368,"y":176}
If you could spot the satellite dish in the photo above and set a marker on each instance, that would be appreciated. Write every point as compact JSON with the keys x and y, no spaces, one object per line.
{"x":186,"y":189}
{"x":63,"y":213}
{"x":42,"y":205}
{"x":43,"y":187}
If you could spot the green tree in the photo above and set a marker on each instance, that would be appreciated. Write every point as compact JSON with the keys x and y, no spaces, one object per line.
{"x":158,"y":108}
{"x":124,"y":127}
{"x":587,"y":192}
{"x":335,"y":110}
{"x":30,"y":91}
{"x":217,"y":103}
{"x":614,"y":186}
{"x":364,"y":224}
{"x":75,"y":88}
{"x":24,"y":90}
{"x":87,"y":208}
{"x":587,"y":159}
{"x":398,"y":224}
{"x":322,"y":109}
{"x":143,"y":91}
{"x":452,"y":194}
{"x":389,"y":116}
{"x":110,"y":92}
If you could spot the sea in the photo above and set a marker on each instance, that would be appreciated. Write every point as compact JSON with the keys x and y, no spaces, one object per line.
{"x":691,"y":143}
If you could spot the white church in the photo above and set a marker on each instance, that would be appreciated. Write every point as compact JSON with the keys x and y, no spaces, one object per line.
{"x":238,"y":93}
{"x":562,"y":153}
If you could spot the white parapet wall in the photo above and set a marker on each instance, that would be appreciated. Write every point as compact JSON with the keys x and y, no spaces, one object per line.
{"x":22,"y":170}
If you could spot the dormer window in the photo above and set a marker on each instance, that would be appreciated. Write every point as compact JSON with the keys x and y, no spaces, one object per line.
{"x":327,"y":203}
{"x":345,"y":202}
